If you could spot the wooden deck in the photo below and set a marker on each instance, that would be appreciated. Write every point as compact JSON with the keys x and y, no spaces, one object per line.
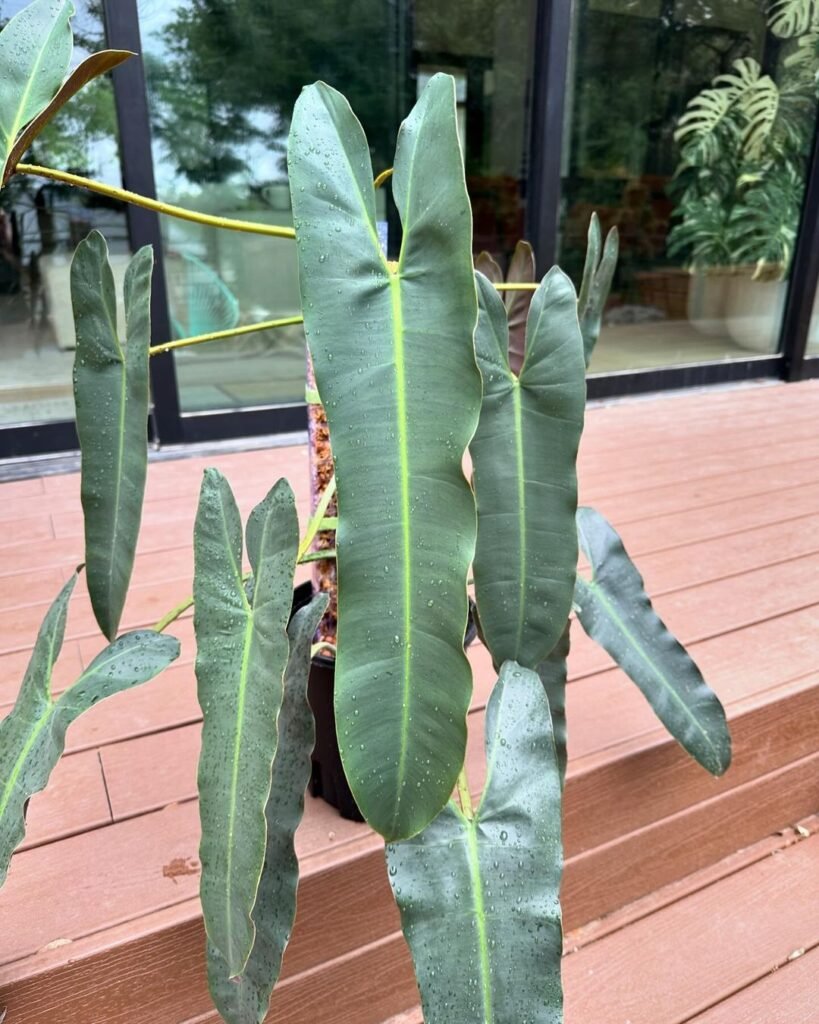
{"x":707,"y":894}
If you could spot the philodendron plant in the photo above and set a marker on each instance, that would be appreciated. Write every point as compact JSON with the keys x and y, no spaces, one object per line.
{"x":412,"y":366}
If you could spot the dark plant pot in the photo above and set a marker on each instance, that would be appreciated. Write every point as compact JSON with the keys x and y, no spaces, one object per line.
{"x":327,"y":779}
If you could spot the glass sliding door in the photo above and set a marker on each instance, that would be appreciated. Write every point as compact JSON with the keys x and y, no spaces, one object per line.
{"x":41,"y":222}
{"x":223,"y":76}
{"x":707,"y":197}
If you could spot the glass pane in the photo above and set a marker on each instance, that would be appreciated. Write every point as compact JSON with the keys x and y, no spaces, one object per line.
{"x":41,"y":222}
{"x":813,"y":332}
{"x":222,"y":81}
{"x":707,"y":218}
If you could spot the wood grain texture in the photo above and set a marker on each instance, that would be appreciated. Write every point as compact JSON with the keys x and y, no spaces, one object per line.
{"x":724,"y":537}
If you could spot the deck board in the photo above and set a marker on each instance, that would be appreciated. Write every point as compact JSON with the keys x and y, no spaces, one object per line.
{"x":717,"y":497}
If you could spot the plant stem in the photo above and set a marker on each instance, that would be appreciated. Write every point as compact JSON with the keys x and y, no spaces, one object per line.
{"x":182,"y":607}
{"x":382,"y":177}
{"x":252,"y":227}
{"x":198,"y":339}
{"x":464,"y":794}
{"x":173,"y":615}
{"x":323,"y":554}
{"x":314,"y":650}
{"x":516,"y":286}
{"x":315,"y":523}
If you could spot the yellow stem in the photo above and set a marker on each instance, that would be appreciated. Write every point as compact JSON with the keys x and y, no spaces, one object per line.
{"x":198,"y":339}
{"x":464,"y":794}
{"x":208,"y":219}
{"x":170,"y":617}
{"x":314,"y":525}
{"x":516,"y":286}
{"x":183,"y":606}
{"x":382,"y":177}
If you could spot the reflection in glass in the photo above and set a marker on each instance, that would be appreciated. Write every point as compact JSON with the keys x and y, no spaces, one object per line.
{"x":690,"y":129}
{"x":40,"y":224}
{"x":223,"y":76}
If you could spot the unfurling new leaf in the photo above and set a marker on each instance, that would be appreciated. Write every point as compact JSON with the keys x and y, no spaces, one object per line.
{"x":521,"y":271}
{"x":111,"y":394}
{"x":32,"y":737}
{"x":616,"y":612}
{"x":479,"y":897}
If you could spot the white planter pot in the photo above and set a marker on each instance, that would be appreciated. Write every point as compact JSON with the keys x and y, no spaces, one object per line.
{"x":706,"y":302}
{"x":753,"y":312}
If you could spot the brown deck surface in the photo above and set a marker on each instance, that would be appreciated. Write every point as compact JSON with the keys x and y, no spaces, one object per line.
{"x":716,"y":496}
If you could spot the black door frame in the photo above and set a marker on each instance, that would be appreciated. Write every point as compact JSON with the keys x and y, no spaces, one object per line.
{"x":553,"y":39}
{"x":553,"y":30}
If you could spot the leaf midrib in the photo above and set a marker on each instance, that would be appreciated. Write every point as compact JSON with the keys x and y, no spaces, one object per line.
{"x":38,"y":728}
{"x":237,"y":744}
{"x":600,"y":595}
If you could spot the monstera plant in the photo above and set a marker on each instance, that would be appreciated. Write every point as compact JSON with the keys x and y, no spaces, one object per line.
{"x":744,"y":148}
{"x":412,"y":367}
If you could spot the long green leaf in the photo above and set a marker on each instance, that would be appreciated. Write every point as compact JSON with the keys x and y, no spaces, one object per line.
{"x":92,"y":67}
{"x":111,"y":394}
{"x":245,"y":1000}
{"x":523,"y":458}
{"x":35,"y":49}
{"x":32,"y":736}
{"x":553,"y":673}
{"x":395,"y":366}
{"x":479,"y":898}
{"x":616,"y":612}
{"x":241,"y":656}
{"x":598,"y":273}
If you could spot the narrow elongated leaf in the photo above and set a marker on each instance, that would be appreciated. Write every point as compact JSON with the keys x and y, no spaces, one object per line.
{"x":35,"y":49}
{"x":523,"y":459}
{"x":479,"y":898}
{"x":111,"y":395}
{"x":241,"y":656}
{"x":92,"y":67}
{"x":616,"y":612}
{"x":553,"y":672}
{"x":598,"y":273}
{"x":32,"y":736}
{"x":389,"y":343}
{"x":244,"y":1000}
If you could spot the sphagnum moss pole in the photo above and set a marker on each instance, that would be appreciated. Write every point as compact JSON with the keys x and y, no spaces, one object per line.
{"x":394,"y":348}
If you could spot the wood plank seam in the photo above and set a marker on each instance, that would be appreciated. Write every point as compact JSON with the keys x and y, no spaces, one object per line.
{"x":778,"y":965}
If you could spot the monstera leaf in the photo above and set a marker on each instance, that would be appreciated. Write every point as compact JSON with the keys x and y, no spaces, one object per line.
{"x":788,"y":18}
{"x":389,"y":344}
{"x":111,"y":396}
{"x":479,"y":896}
{"x":614,"y":609}
{"x":32,"y":736}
